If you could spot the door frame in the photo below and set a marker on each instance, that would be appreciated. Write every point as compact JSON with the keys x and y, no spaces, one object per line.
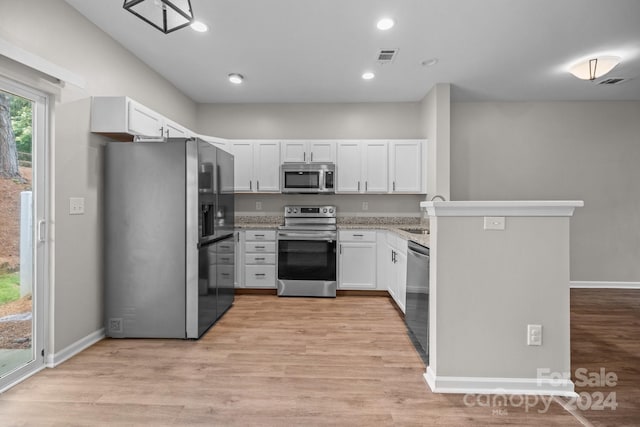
{"x":40,"y":151}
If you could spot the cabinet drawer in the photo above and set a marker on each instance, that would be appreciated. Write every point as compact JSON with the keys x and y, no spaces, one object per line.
{"x":260,"y":276}
{"x":260,"y":259}
{"x":260,"y":234}
{"x":357,"y":236}
{"x":267,"y":247}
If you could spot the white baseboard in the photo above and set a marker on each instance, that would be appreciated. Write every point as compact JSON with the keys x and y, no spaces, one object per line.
{"x":603,"y":285}
{"x":54,"y":360}
{"x":504,"y":386}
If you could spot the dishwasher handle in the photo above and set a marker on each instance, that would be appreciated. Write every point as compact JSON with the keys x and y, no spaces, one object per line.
{"x":418,"y":249}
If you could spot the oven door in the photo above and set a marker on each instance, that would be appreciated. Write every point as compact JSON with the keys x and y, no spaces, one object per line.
{"x":306,"y":265}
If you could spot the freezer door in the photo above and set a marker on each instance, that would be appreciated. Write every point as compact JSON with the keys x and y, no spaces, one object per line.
{"x":225,"y":274}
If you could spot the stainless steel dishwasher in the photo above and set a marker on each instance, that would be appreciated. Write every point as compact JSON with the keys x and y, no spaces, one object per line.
{"x":417,"y":303}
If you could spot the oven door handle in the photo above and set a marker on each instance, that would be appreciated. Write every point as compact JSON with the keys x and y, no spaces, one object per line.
{"x":329,"y":237}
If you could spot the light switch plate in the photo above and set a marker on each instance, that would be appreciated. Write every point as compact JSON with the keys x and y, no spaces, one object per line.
{"x":494,"y":222}
{"x":258,"y":206}
{"x":534,"y":334}
{"x":76,"y":205}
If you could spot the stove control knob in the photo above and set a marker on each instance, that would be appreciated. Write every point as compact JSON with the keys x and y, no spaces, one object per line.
{"x":331,"y":210}
{"x":324,"y":210}
{"x":288,"y":210}
{"x":295,"y":210}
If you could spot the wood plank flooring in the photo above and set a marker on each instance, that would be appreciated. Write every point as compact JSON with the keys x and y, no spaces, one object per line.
{"x":278,"y":362}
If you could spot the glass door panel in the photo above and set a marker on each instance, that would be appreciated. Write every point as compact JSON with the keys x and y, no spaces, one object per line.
{"x":20,"y":336}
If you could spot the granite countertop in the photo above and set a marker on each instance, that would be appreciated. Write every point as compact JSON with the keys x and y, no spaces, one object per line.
{"x":395,"y":224}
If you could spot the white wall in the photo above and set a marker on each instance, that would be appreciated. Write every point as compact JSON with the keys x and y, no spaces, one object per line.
{"x":559,"y":150}
{"x":487,"y":286}
{"x":56,"y":32}
{"x":435,"y":119}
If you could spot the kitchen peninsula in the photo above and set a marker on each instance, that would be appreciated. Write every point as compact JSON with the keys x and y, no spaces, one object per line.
{"x":499,"y":297}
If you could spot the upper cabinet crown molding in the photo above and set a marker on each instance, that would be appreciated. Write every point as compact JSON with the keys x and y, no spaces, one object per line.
{"x":122,"y":118}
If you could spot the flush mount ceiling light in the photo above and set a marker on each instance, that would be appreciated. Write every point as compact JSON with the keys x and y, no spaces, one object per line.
{"x":593,"y":68}
{"x":198,"y":26}
{"x":385,"y":24}
{"x":368,"y":75}
{"x":165,"y":15}
{"x":236,"y":78}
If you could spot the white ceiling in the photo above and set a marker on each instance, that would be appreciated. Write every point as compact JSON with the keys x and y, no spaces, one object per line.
{"x":316,"y":50}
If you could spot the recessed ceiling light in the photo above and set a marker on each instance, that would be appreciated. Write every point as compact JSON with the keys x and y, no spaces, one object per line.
{"x":236,"y":78}
{"x":200,"y":27}
{"x":368,"y":75}
{"x":385,"y":24}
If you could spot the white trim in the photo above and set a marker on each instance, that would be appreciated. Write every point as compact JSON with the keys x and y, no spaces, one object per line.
{"x":40,"y":64}
{"x":502,"y":208}
{"x":67,"y":353}
{"x":506,"y":386}
{"x":21,"y":378}
{"x":576,"y":284}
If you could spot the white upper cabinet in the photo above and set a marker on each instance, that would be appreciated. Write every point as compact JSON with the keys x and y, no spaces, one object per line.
{"x":303,"y":151}
{"x":256,"y":165}
{"x":362,"y":167}
{"x":143,"y":121}
{"x":406,"y":166}
{"x":174,"y":130}
{"x":375,"y":168}
{"x":122,"y":118}
{"x":349,"y":167}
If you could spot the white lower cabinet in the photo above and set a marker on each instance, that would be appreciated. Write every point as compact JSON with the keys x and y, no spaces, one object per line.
{"x":259,"y":259}
{"x":357,"y":259}
{"x":396,"y":268}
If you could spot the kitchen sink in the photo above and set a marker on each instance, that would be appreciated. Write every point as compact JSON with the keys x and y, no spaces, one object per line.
{"x":415,"y":230}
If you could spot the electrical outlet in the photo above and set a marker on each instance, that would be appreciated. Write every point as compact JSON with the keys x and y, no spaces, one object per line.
{"x":365,"y":206}
{"x":534,"y":334}
{"x":258,"y":206}
{"x":494,"y":222}
{"x":76,"y":205}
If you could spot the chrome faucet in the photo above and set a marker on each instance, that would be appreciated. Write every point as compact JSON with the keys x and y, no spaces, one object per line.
{"x":437,"y":196}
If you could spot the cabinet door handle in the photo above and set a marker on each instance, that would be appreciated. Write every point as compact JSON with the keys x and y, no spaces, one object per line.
{"x":394,"y":186}
{"x":358,"y":186}
{"x":260,"y":259}
{"x":259,"y":247}
{"x":257,"y":185}
{"x":167,"y":132}
{"x":250,"y":186}
{"x":358,"y":235}
{"x":304,"y":156}
{"x":366,"y":186}
{"x":259,"y":235}
{"x":340,"y":249}
{"x":312,"y":156}
{"x":260,"y":274}
{"x":161,"y":130}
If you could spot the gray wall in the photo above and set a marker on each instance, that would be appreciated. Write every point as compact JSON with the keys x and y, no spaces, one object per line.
{"x":560,"y":150}
{"x":57,"y":33}
{"x":317,"y":121}
{"x":487,"y":286}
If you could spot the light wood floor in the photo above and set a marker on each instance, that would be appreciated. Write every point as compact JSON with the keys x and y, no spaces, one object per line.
{"x":269,"y":362}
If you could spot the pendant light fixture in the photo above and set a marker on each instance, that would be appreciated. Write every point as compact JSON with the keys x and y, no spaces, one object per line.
{"x":593,"y":68}
{"x":165,"y":15}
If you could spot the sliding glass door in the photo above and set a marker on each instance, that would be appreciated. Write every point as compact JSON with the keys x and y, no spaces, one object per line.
{"x":23,"y":129}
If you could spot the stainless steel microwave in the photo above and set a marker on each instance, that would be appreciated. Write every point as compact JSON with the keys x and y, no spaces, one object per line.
{"x":303,"y":178}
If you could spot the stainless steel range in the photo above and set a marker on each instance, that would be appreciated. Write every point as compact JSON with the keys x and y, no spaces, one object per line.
{"x":307,"y":252}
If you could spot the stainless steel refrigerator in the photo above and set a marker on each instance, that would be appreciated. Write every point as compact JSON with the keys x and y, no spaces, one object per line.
{"x":169,"y":238}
